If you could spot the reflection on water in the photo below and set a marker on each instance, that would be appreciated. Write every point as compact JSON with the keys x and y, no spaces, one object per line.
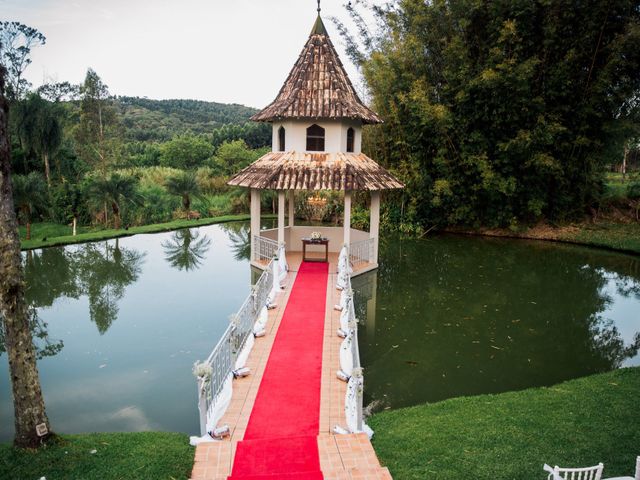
{"x":240,"y":237}
{"x":453,"y":316}
{"x":442,"y":317}
{"x":186,"y":250}
{"x":159,"y":303}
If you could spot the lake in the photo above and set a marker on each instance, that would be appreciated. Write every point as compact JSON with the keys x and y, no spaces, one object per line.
{"x":119,"y":323}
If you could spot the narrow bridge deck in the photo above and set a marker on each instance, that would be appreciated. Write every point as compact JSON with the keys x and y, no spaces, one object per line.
{"x":341,"y":456}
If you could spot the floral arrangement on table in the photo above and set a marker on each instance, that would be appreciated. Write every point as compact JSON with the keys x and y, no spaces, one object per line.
{"x":316,"y":236}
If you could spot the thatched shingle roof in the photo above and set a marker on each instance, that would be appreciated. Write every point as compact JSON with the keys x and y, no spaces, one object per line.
{"x":315,"y":171}
{"x":317,"y":87}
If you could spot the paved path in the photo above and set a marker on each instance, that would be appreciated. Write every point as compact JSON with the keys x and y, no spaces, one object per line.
{"x":341,"y":456}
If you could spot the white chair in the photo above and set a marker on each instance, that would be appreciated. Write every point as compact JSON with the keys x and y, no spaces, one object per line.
{"x":637,"y":477}
{"x":587,"y":473}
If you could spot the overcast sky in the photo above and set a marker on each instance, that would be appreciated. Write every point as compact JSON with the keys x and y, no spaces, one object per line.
{"x":230,"y":51}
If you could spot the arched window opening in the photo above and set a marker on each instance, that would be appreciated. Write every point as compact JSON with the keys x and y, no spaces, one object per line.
{"x":351,"y":134}
{"x":315,"y":138}
{"x":281,"y":139}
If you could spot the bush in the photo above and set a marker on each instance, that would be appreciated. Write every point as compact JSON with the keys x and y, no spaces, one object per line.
{"x":633,"y":190}
{"x":158,"y":205}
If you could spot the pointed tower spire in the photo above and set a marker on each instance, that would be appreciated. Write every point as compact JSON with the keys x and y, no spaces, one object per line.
{"x":317,"y":86}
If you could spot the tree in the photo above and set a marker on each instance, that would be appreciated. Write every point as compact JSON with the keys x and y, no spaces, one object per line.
{"x":231,"y":157}
{"x":39,"y":128}
{"x":184,"y":185}
{"x":67,"y":199}
{"x":501,"y":112}
{"x":114,"y":191}
{"x":185,"y":151}
{"x":16,"y":42}
{"x":104,"y":273}
{"x":97,"y":134}
{"x":186,"y":250}
{"x":31,"y":422}
{"x":29,"y":193}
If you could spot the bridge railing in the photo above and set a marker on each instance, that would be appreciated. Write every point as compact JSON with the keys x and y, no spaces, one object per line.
{"x":361,"y":251}
{"x":264,"y":249}
{"x":216,"y":372}
{"x":351,"y":369}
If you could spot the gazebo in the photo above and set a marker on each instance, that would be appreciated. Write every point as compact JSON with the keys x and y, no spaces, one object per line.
{"x":317,"y":120}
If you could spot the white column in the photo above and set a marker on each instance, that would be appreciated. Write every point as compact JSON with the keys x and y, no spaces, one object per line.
{"x":347,"y":218}
{"x":374,"y":223}
{"x":281,"y":199}
{"x":292,"y":208}
{"x":255,"y":212}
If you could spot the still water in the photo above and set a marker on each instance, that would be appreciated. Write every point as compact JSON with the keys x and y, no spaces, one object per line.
{"x":454,"y":315}
{"x":119,"y":323}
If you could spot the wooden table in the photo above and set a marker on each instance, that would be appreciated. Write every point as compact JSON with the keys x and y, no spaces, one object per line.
{"x":308,"y":241}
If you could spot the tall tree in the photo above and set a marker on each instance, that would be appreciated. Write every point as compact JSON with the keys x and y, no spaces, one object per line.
{"x":97,"y":135}
{"x":40,"y":128}
{"x":501,"y":112}
{"x":31,"y":422}
{"x":16,"y":42}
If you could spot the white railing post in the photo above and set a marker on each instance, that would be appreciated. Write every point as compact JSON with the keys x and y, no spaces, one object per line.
{"x":202,"y":407}
{"x":357,"y":373}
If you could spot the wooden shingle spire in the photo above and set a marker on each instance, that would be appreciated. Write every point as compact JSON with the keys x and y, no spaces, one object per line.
{"x":318,"y":86}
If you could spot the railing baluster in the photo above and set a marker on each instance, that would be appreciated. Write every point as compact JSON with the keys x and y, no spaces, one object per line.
{"x":223,"y":357}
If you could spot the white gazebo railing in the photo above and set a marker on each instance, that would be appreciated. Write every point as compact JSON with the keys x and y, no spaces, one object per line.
{"x":361,"y":252}
{"x":350,"y":368}
{"x":264,"y":249}
{"x":216,"y":373}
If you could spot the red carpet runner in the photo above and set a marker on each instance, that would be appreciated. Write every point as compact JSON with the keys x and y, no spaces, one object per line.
{"x":280,"y":441}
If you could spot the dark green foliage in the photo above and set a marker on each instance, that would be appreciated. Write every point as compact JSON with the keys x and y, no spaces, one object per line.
{"x":159,"y":120}
{"x":501,"y":112}
{"x":255,"y":135}
{"x":633,"y":191}
{"x":29,"y":195}
{"x":184,"y":185}
{"x":511,"y":435}
{"x":185,"y":151}
{"x":67,"y":202}
{"x":233,"y":156}
{"x":111,"y":193}
{"x":118,"y":455}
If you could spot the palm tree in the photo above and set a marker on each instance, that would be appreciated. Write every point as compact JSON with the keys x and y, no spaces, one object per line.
{"x":184,"y":185}
{"x":186,"y":250}
{"x":29,"y":192}
{"x":39,"y":128}
{"x":114,"y":190}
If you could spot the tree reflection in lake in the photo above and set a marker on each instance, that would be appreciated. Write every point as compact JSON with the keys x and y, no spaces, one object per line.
{"x":240,"y":238}
{"x":98,"y":270}
{"x":45,"y":346}
{"x":103,"y":272}
{"x":462,"y":316}
{"x":186,"y":250}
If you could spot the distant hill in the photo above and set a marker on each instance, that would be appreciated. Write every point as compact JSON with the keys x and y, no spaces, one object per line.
{"x":159,"y":120}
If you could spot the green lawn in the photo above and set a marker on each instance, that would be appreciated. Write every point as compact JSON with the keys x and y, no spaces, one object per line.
{"x":511,"y":435}
{"x":144,"y":456}
{"x":617,"y":236}
{"x":49,"y":234}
